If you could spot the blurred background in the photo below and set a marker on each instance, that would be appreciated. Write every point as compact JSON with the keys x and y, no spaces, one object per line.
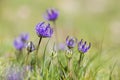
{"x":96,"y":21}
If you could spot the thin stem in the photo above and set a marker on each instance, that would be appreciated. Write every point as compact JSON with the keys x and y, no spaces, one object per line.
{"x":45,"y":51}
{"x":69,"y":64}
{"x":38,"y":45}
{"x":27,"y":57}
{"x":49,"y":64}
{"x":69,"y":68}
{"x":80,"y":59}
{"x":55,"y":29}
{"x":25,"y":60}
{"x":38,"y":49}
{"x":19,"y":55}
{"x":45,"y":55}
{"x":110,"y":77}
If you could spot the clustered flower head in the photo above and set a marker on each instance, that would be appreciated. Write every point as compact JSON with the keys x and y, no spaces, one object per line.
{"x":44,"y":30}
{"x":51,"y":14}
{"x":20,"y":41}
{"x":83,"y":47}
{"x":71,"y":42}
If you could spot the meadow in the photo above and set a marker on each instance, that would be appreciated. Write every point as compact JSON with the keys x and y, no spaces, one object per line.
{"x":95,"y":21}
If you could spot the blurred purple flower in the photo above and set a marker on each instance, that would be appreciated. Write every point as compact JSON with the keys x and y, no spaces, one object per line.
{"x":71,"y":42}
{"x":83,"y":47}
{"x":61,"y":47}
{"x":19,"y":42}
{"x":51,"y":14}
{"x":24,"y":37}
{"x":44,"y":30}
{"x":14,"y":74}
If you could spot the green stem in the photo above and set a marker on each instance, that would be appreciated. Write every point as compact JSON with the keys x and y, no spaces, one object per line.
{"x":19,"y":55}
{"x":69,"y":64}
{"x":80,"y":59}
{"x":49,"y":64}
{"x":37,"y":49}
{"x":55,"y":29}
{"x":70,"y":69}
{"x":45,"y":51}
{"x":44,"y":55}
{"x":27,"y":57}
{"x":38,"y":45}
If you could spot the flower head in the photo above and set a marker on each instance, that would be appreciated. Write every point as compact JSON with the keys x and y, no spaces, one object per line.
{"x":24,"y":37}
{"x":30,"y":46}
{"x":44,"y":30}
{"x":71,"y":42}
{"x":83,"y":47}
{"x":51,"y":14}
{"x":69,"y":53}
{"x":53,"y":53}
{"x":19,"y":42}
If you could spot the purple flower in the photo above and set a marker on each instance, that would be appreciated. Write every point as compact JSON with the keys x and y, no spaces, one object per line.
{"x":20,"y":41}
{"x":51,"y":14}
{"x":83,"y":47}
{"x":14,"y":74}
{"x":44,"y":30}
{"x":71,"y":42}
{"x":24,"y":37}
{"x":18,"y":44}
{"x":61,"y":47}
